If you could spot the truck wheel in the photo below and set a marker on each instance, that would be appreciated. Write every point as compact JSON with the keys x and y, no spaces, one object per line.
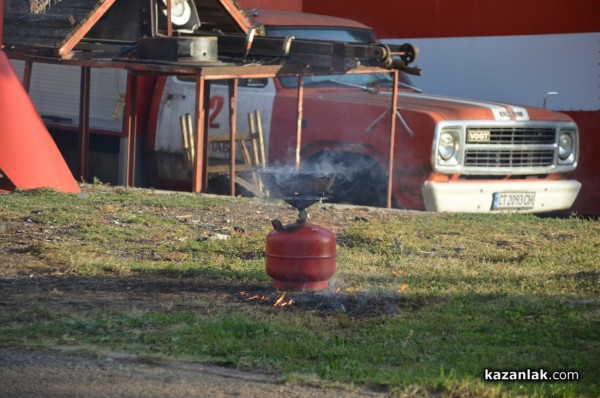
{"x":359,"y":180}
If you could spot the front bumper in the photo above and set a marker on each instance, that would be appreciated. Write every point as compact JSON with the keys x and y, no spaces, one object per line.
{"x":478,"y":196}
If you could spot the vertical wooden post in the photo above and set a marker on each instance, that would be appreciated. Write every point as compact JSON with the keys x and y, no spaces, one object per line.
{"x":233,"y":88}
{"x":394,"y":105}
{"x":199,"y":167}
{"x":300,"y":111}
{"x":84,"y":123}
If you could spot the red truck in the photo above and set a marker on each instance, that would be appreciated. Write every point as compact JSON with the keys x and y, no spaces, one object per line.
{"x":450,"y":154}
{"x":475,"y":49}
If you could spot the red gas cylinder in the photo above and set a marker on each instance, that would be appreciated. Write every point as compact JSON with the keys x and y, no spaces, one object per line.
{"x":300,"y":256}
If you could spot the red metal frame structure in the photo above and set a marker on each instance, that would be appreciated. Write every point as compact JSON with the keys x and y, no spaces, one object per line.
{"x":393,"y":108}
{"x":203,"y":76}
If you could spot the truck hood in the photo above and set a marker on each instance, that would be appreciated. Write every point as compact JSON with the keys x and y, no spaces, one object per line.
{"x":441,"y":107}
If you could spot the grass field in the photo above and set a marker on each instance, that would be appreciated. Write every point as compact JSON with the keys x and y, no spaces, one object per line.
{"x":421,"y":304}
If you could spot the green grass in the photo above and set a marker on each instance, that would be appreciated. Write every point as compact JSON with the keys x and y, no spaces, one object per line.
{"x":473,"y":291}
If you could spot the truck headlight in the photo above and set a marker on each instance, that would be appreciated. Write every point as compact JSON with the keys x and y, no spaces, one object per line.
{"x":448,"y":147}
{"x":566,"y":147}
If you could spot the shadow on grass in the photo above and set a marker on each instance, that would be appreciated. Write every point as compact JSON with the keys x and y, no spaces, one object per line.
{"x":357,"y":336}
{"x":190,"y":291}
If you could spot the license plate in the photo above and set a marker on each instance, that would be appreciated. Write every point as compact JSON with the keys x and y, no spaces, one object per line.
{"x":513,"y":200}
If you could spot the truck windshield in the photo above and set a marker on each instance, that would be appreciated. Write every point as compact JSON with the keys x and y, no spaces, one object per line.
{"x":352,"y":35}
{"x":365,"y":81}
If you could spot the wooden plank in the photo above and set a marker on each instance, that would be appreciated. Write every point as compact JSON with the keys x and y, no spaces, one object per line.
{"x":224,"y":168}
{"x":250,"y":187}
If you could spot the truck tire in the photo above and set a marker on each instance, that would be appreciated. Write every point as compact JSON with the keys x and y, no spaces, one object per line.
{"x":359,"y":180}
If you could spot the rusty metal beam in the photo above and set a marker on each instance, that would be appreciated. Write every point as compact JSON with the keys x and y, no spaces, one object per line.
{"x":169,"y":14}
{"x":84,"y":123}
{"x":215,"y":72}
{"x":207,"y":88}
{"x":299,"y":113}
{"x":69,"y":44}
{"x":199,"y":167}
{"x":233,"y":89}
{"x":393,"y":108}
{"x":234,"y":12}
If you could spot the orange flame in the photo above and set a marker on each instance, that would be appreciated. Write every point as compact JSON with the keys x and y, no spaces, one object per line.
{"x":281,"y":303}
{"x":279,"y":300}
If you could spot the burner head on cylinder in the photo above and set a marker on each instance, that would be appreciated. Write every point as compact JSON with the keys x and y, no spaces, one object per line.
{"x":299,"y":188}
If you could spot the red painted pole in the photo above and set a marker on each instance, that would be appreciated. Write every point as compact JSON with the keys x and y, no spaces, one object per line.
{"x":29,"y":157}
{"x":199,"y":168}
{"x":299,"y":114}
{"x":233,"y":90}
{"x":393,"y":109}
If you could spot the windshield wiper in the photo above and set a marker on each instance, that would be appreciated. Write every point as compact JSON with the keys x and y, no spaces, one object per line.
{"x":405,"y":85}
{"x":346,"y":84}
{"x":390,"y":82}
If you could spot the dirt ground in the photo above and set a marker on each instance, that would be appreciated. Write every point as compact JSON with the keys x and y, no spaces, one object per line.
{"x":55,"y":374}
{"x":25,"y":281}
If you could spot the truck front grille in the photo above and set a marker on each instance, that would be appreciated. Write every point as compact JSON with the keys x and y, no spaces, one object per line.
{"x":518,"y":135}
{"x":509,"y":158}
{"x":504,"y":148}
{"x":509,"y":147}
